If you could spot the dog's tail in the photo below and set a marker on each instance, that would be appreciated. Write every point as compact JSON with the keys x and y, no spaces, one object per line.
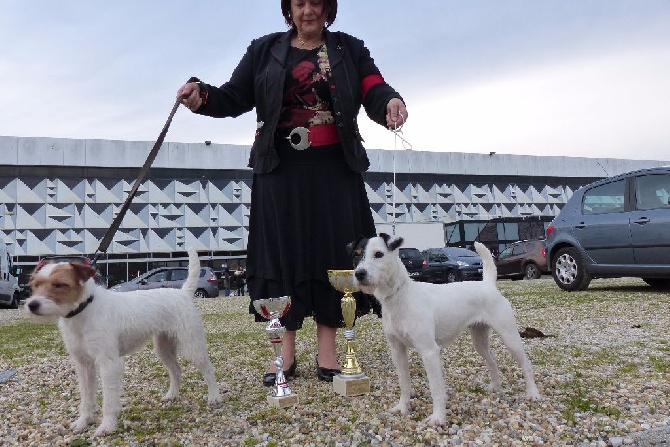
{"x":191,"y":282}
{"x":490,"y":270}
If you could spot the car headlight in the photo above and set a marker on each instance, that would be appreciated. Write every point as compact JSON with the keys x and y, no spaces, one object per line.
{"x":462,"y":264}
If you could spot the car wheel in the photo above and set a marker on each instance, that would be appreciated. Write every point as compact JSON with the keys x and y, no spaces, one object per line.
{"x":200,"y":293}
{"x":531,"y":271}
{"x":452,"y":276}
{"x":568,"y":270}
{"x":658,"y":283}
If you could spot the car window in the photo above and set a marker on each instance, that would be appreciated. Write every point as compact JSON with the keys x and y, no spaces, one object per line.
{"x":158,"y":276}
{"x":460,"y":252}
{"x":437,"y":256}
{"x":410,"y":253}
{"x":603,"y":199}
{"x":506,"y":253}
{"x":178,"y":274}
{"x":517,"y":250}
{"x":652,"y":191}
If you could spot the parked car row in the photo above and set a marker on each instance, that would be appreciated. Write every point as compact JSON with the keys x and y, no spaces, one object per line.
{"x":523,"y":259}
{"x":615,"y":227}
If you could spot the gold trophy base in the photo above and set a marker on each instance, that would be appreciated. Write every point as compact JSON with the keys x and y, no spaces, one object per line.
{"x":283,"y":401}
{"x":351,"y":386}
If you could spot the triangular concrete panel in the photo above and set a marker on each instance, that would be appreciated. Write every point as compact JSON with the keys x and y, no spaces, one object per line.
{"x":25,"y":194}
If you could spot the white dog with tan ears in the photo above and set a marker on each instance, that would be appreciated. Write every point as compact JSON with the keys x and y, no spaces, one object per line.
{"x":100,"y":326}
{"x":427,"y":316}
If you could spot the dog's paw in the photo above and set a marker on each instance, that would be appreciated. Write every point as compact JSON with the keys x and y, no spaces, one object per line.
{"x":435,"y":419}
{"x":491,"y":388}
{"x":400,"y":408}
{"x":169,"y":397}
{"x":533,"y":395}
{"x":214,"y":399}
{"x":106,"y":427}
{"x":81,"y":423}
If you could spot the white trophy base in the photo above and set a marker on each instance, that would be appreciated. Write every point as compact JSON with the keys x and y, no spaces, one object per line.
{"x":351,"y":385}
{"x":283,"y":401}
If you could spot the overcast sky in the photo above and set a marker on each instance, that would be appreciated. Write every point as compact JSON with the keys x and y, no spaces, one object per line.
{"x":569,"y":77}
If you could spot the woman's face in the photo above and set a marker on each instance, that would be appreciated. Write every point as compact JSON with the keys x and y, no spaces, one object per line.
{"x":308,"y":16}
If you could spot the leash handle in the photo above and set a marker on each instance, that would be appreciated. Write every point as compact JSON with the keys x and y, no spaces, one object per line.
{"x":397,"y":131}
{"x":107,"y":238}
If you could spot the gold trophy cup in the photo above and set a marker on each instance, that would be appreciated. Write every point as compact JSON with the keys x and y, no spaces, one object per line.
{"x":273,"y":309}
{"x":352,"y":381}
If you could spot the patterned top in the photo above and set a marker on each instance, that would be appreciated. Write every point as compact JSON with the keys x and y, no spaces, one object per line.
{"x":306,"y":99}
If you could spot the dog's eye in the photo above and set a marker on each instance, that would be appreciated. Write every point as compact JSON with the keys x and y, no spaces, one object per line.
{"x":59,"y":285}
{"x":379,"y":254}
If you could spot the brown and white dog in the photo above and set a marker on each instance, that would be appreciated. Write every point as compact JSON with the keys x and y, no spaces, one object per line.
{"x":427,"y":317}
{"x":100,"y":326}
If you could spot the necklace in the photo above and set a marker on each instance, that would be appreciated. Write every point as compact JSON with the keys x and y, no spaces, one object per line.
{"x":307,"y":45}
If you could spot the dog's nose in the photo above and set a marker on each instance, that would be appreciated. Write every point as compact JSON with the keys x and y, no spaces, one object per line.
{"x":360,"y":274}
{"x":33,"y":306}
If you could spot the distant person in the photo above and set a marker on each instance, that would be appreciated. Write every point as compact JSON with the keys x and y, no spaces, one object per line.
{"x":226,"y":282}
{"x":240,"y":281}
{"x":309,"y":200}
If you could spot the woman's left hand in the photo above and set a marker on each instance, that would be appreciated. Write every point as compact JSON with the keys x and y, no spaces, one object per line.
{"x":396,"y":114}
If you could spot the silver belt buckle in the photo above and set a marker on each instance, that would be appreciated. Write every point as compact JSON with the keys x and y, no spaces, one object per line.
{"x":303,"y":142}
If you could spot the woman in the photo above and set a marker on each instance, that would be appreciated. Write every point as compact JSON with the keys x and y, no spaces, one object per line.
{"x":308,"y":197}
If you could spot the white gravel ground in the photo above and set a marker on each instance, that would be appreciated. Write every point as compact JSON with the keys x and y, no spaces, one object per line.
{"x":604,"y":377}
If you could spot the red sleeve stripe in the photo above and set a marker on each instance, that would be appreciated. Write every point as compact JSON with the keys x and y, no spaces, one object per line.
{"x":370,"y":81}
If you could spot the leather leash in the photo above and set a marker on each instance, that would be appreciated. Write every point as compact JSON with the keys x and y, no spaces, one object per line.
{"x":107,"y":238}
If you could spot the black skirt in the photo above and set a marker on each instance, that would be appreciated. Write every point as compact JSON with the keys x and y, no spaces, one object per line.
{"x":303,"y":214}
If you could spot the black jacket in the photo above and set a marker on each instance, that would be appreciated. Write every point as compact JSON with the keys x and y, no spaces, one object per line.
{"x":258,"y":81}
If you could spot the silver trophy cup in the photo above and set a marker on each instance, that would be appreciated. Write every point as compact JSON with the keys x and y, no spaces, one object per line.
{"x":273,"y":309}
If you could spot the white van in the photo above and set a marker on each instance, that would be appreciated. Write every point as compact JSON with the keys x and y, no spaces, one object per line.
{"x":9,"y":283}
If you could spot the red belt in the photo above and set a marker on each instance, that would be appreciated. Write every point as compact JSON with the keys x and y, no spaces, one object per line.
{"x":302,"y":138}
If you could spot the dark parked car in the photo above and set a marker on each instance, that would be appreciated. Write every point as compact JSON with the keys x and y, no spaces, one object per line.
{"x":615,"y":227}
{"x":451,"y":264}
{"x":414,"y":262}
{"x":173,"y":277}
{"x":523,"y":259}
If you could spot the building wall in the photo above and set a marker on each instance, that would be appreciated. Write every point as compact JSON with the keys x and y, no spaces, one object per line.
{"x":59,"y":196}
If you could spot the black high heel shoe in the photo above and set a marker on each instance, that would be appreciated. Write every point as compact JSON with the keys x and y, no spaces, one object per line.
{"x":325,"y":374}
{"x":269,"y":378}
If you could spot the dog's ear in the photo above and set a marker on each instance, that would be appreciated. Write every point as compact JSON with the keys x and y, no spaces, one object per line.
{"x":351,"y":246}
{"x":393,"y":244}
{"x":83,"y":271}
{"x":356,"y":249}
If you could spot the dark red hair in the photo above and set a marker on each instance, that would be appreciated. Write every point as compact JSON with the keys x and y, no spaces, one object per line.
{"x":330,"y":6}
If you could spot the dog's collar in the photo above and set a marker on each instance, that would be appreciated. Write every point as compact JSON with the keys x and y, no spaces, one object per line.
{"x":80,"y":308}
{"x":397,"y":289}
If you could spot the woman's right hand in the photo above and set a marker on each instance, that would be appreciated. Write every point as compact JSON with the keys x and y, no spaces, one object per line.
{"x":190,"y":94}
